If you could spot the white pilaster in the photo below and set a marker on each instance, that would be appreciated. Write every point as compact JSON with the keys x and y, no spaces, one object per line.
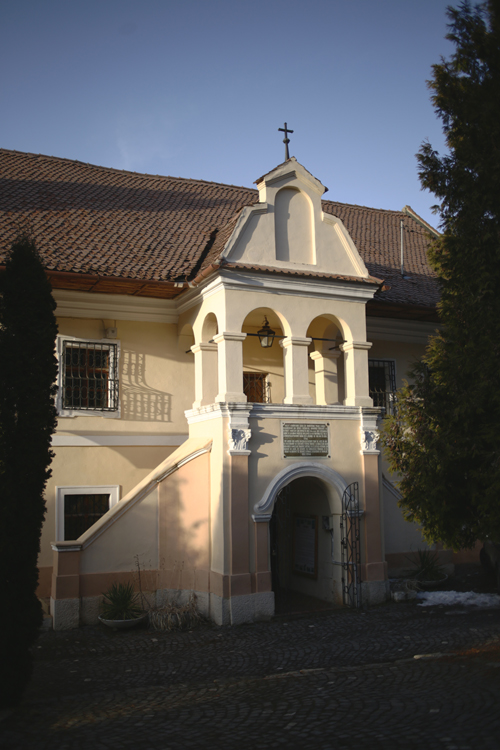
{"x":356,"y":373}
{"x":296,"y":370}
{"x":230,"y":351}
{"x":325,"y":369}
{"x":205,"y":374}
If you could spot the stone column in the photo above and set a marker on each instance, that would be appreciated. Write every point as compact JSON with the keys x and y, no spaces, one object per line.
{"x":230,"y":350}
{"x":296,"y":370}
{"x":356,"y":373}
{"x":325,"y":368}
{"x":205,"y":374}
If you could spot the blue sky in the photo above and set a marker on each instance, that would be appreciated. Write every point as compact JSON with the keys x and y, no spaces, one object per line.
{"x":199,"y":89}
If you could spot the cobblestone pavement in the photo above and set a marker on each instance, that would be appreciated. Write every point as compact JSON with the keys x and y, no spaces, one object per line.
{"x":342,"y":679}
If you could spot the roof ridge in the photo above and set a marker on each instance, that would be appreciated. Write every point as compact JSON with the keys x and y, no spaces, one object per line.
{"x":365,"y":208}
{"x":409,"y":211}
{"x":127,"y":171}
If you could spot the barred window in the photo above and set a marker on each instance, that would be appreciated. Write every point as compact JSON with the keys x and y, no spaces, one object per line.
{"x":78,"y":508}
{"x":256,"y":388}
{"x":382,"y":381}
{"x":89,"y":376}
{"x":81,"y":512}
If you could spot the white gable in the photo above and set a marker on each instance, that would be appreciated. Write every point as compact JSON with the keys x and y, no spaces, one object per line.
{"x":288,"y":229}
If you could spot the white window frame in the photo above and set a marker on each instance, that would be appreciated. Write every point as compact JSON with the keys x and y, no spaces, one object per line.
{"x":61,"y":410}
{"x":113,"y":490}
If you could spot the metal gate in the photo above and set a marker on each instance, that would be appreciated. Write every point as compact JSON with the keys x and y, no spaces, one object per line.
{"x":350,"y":545}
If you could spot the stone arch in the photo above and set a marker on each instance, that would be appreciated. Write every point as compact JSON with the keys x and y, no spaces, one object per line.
{"x":210,"y":327}
{"x":325,"y":325}
{"x":185,"y":337}
{"x":333,"y":483}
{"x":304,"y":497}
{"x":326,"y":360}
{"x":263,"y":373}
{"x":293,"y":226}
{"x":206,"y":363}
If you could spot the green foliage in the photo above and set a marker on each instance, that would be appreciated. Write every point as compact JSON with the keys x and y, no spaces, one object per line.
{"x":28,"y":370}
{"x":444,"y":440}
{"x":426,"y":567}
{"x":120,"y":603}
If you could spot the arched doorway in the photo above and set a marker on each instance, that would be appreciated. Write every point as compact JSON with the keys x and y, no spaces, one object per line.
{"x":305,"y":547}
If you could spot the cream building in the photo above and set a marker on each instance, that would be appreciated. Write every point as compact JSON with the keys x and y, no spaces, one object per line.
{"x":220,"y":352}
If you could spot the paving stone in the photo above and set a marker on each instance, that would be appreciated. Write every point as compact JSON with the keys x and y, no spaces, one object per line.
{"x":351,"y":681}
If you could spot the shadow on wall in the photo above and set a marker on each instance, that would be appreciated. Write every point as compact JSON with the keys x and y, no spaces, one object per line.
{"x":140,"y":402}
{"x":184,"y":560}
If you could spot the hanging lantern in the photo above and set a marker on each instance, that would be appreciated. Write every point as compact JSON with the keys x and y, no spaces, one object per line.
{"x":266,"y":335}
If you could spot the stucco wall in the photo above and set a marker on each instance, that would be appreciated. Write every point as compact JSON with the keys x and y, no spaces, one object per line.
{"x":184,"y":527}
{"x":156,"y":386}
{"x":156,"y":378}
{"x":133,"y":534}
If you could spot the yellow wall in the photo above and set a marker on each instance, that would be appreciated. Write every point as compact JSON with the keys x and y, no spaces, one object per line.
{"x":156,"y":378}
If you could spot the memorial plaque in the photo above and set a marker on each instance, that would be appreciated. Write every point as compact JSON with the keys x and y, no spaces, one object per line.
{"x":305,"y":546}
{"x":305,"y":440}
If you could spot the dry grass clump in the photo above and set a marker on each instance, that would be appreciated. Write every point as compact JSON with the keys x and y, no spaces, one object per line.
{"x":173,"y":616}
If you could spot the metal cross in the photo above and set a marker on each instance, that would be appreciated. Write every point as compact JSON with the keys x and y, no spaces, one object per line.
{"x":286,"y":140}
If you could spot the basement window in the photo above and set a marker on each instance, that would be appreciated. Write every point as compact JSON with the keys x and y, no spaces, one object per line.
{"x":88,"y":377}
{"x":78,"y":508}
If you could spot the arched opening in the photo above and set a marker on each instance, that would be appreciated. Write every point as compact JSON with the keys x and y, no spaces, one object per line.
{"x":263,"y":375}
{"x":185,"y":337}
{"x":206,"y":369}
{"x":304,"y":535}
{"x":210,"y":328}
{"x":326,"y":360}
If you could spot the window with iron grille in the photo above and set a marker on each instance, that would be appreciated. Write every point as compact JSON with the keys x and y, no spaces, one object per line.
{"x":256,"y":388}
{"x":78,"y":508}
{"x":382,"y":382}
{"x":89,"y":373}
{"x":81,"y":512}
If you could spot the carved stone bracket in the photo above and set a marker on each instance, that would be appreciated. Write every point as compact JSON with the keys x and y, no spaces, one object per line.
{"x":369,"y":439}
{"x":238,"y":440}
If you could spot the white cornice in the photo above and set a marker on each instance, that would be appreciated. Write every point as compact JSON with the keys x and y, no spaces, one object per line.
{"x":73,"y":304}
{"x":281,"y":411}
{"x":236,"y":280}
{"x":391,"y":329}
{"x":304,"y":411}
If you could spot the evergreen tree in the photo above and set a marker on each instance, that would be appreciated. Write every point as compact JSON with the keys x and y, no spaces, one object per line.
{"x":444,"y":442}
{"x":28,"y":370}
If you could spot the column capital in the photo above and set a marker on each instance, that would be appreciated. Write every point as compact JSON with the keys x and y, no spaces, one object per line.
{"x":349,"y":346}
{"x":203,"y":347}
{"x":229,"y":336}
{"x":295,"y":341}
{"x":325,"y":355}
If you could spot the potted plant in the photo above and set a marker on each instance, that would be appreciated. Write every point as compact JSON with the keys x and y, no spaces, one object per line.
{"x":120,"y":607}
{"x":427,"y":570}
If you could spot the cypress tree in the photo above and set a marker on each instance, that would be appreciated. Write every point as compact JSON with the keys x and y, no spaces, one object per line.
{"x":444,"y":441}
{"x":28,"y":370}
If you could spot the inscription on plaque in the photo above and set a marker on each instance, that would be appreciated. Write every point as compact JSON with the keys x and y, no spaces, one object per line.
{"x":308,"y":439}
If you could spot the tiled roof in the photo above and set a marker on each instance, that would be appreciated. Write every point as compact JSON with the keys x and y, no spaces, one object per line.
{"x":377,"y":235}
{"x":146,"y":230}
